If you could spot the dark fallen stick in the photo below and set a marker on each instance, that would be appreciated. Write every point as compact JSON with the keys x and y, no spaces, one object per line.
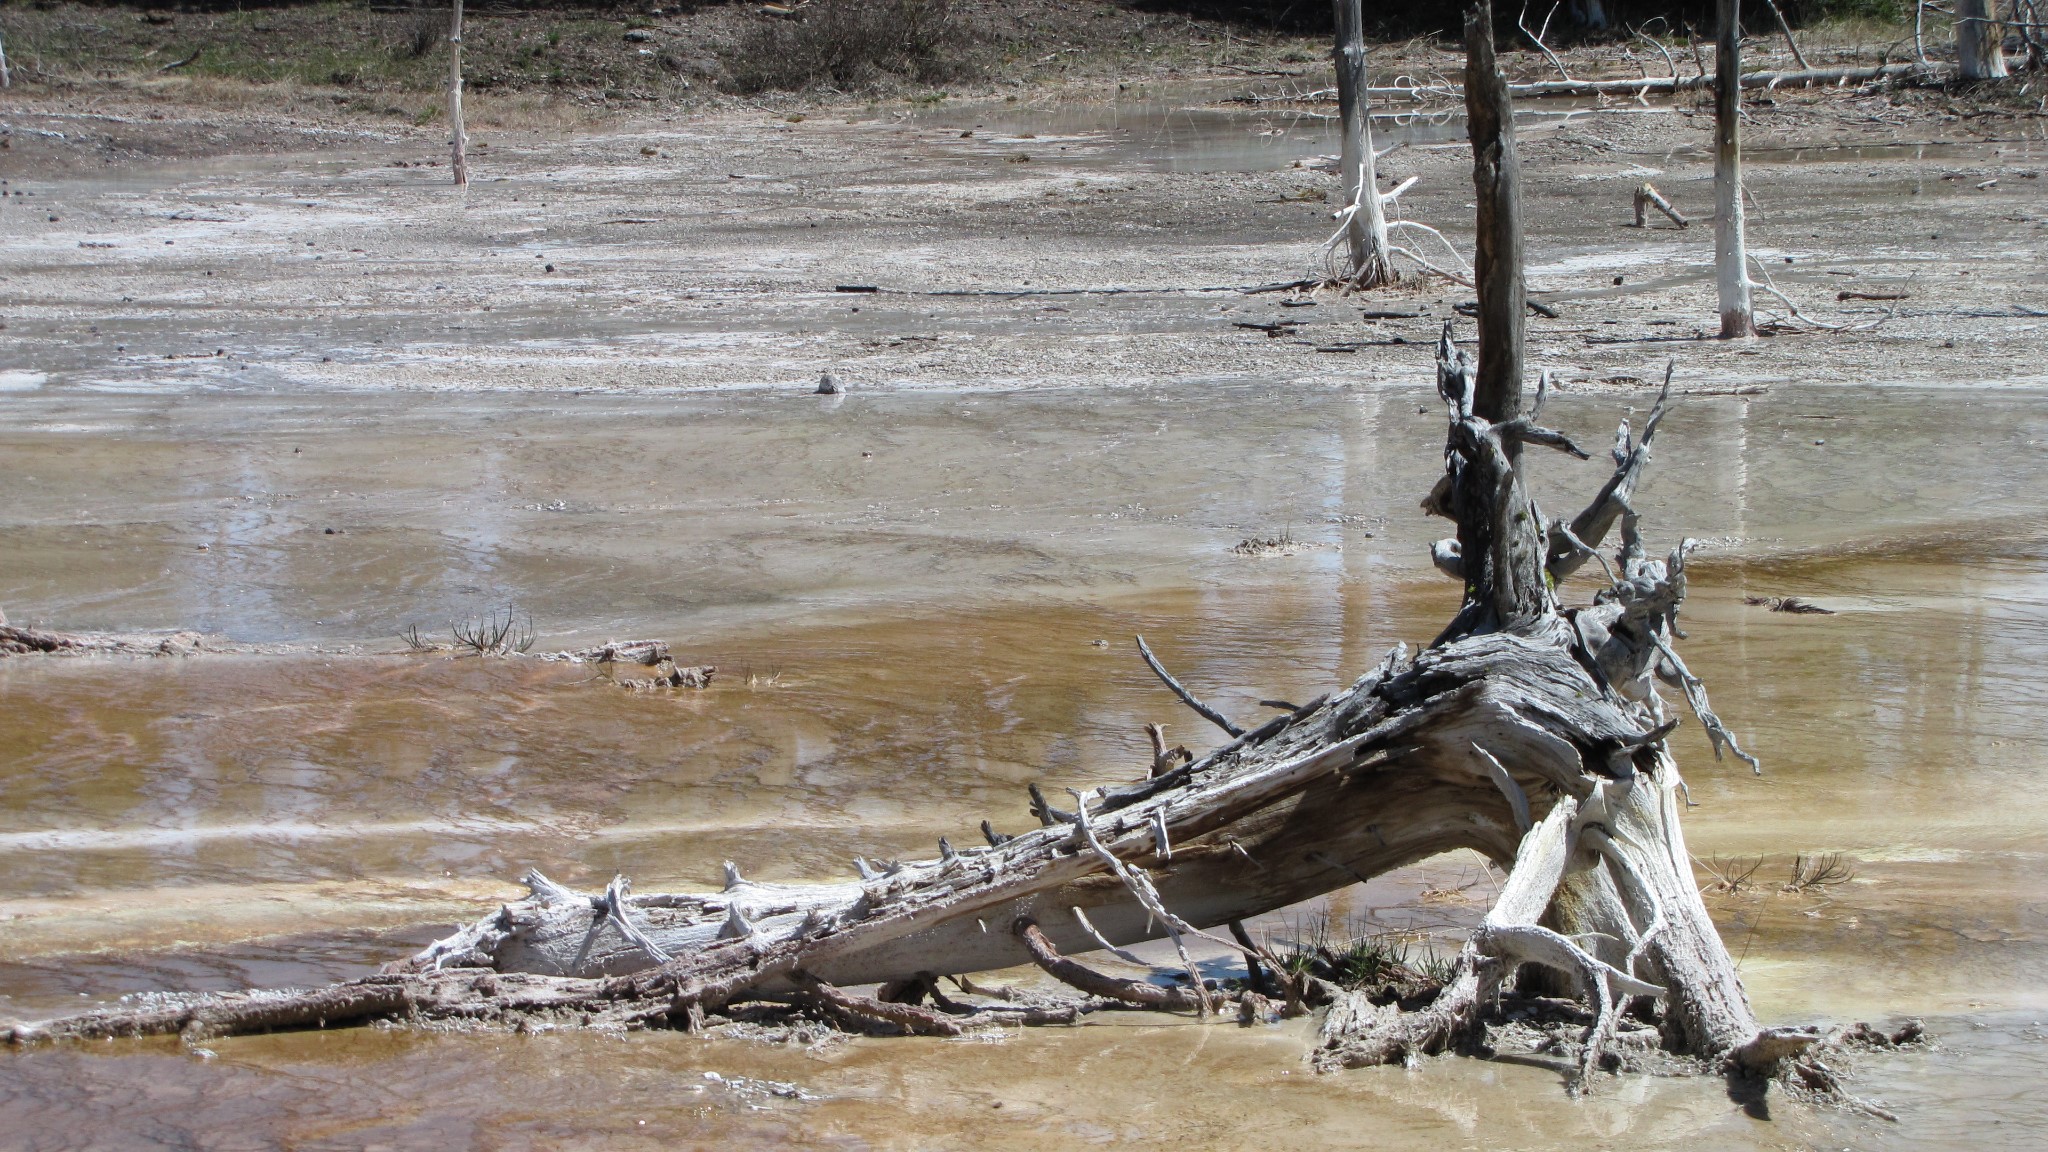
{"x":1255,"y":974}
{"x":1839,"y":296}
{"x":1086,"y":979}
{"x":911,"y":1018}
{"x":1471,"y":308}
{"x":1186,"y":697}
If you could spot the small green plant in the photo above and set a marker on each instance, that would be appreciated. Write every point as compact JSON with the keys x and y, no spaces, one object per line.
{"x":1369,"y":960}
{"x":1437,"y":968}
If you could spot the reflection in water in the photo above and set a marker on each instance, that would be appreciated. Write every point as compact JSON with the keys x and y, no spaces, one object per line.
{"x":675,"y":515}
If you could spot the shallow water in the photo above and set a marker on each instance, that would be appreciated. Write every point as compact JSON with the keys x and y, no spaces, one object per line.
{"x":674,"y":515}
{"x":875,"y":739}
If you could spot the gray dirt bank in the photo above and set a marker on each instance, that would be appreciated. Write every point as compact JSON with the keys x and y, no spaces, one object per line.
{"x":704,"y":251}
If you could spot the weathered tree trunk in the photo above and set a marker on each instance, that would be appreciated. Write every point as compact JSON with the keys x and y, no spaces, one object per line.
{"x":458,"y":141}
{"x":1365,"y":226}
{"x":6,"y":78}
{"x":1497,"y":247}
{"x":1529,"y":732}
{"x":1980,"y":49}
{"x":1731,"y":255}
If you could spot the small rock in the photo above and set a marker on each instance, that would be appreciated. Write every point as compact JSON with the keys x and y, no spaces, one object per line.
{"x":639,"y":36}
{"x":549,"y":268}
{"x":829,"y":385}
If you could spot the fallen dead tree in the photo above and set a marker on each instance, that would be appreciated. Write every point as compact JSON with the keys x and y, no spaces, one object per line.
{"x":1531,"y":732}
{"x":1918,"y":72}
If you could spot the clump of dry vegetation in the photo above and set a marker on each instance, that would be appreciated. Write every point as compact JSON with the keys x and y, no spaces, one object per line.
{"x":1810,"y":873}
{"x":852,"y":46}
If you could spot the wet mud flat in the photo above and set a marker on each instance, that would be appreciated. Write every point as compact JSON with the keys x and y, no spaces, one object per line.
{"x":708,"y":252}
{"x":919,"y":597}
{"x":233,"y":822}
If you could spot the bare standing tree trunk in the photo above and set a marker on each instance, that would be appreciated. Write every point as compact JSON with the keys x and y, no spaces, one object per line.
{"x":1497,"y":248}
{"x":1365,"y":228}
{"x":1919,"y":26}
{"x":1731,"y":255}
{"x":458,"y":143}
{"x":6,"y":81}
{"x":1980,"y":50}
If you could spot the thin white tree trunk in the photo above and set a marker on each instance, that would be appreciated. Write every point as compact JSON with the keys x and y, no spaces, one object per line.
{"x":458,"y":138}
{"x":1365,"y":230}
{"x":1731,"y":255}
{"x":1980,"y":49}
{"x":6,"y":81}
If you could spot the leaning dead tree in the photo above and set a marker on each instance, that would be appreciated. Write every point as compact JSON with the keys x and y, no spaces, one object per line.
{"x":1731,"y":253}
{"x":1528,"y":731}
{"x":458,"y":138}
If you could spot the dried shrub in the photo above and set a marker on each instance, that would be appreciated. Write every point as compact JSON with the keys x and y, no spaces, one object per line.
{"x":851,"y":45}
{"x":430,"y":26}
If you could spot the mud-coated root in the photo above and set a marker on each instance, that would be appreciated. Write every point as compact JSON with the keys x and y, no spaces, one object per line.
{"x":472,"y":999}
{"x":468,"y":996}
{"x":19,"y":641}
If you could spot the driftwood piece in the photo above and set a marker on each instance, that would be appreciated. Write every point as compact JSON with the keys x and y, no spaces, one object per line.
{"x":1647,"y":197}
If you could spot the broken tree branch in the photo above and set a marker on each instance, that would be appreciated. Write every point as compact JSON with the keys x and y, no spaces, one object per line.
{"x":1186,"y":697}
